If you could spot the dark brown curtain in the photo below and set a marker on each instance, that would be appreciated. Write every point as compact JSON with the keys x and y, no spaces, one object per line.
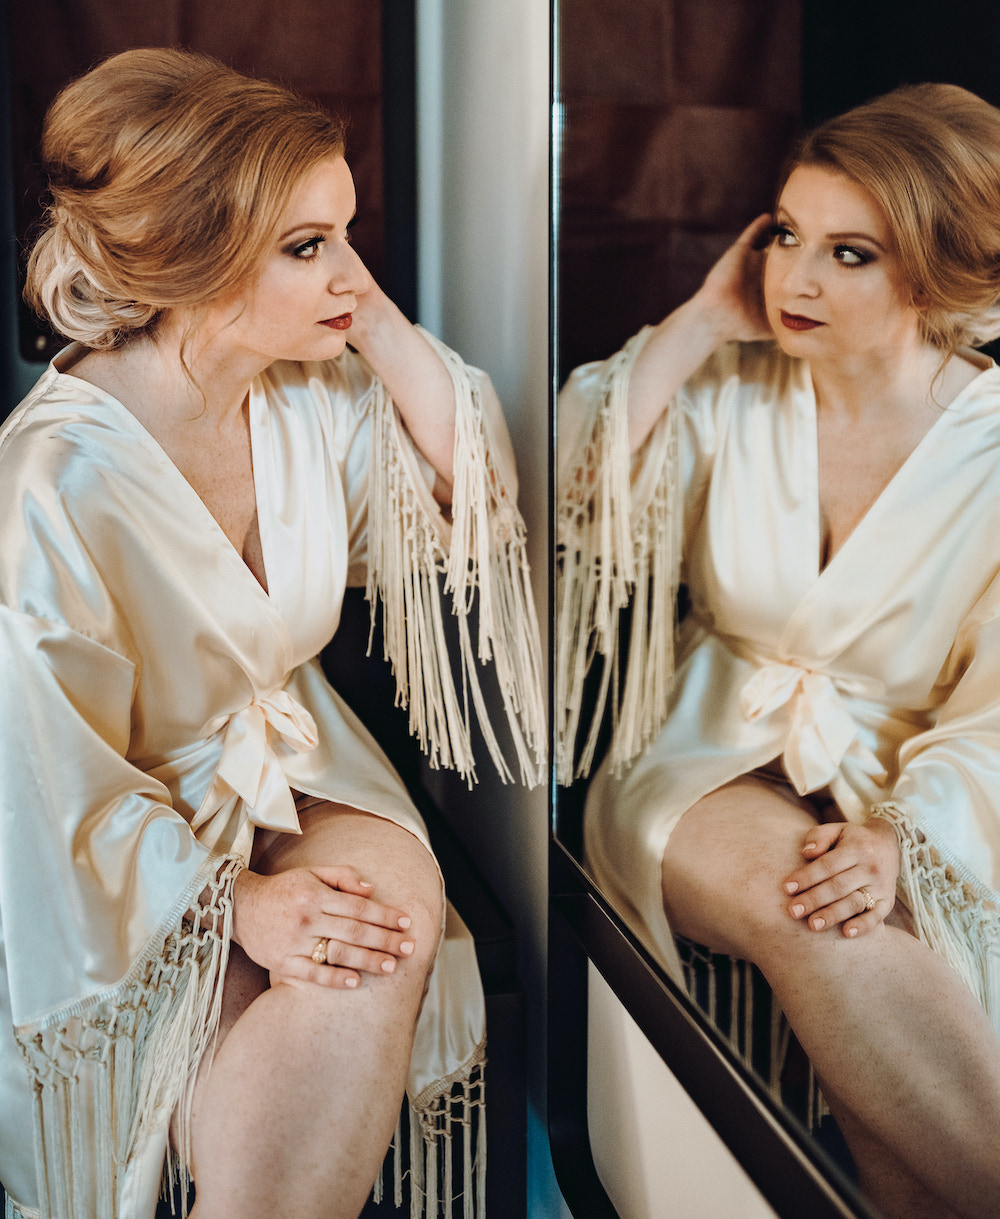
{"x":330,"y":50}
{"x":677,"y":117}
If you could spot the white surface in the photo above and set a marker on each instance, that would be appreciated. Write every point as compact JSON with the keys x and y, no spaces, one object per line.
{"x":655,"y":1153}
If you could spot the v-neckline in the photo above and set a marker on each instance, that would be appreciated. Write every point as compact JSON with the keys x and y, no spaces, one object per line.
{"x":164,"y":457}
{"x":875,"y":507}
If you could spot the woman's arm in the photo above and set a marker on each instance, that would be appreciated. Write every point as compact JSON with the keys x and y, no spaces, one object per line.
{"x":415,"y":379}
{"x":728,"y":306}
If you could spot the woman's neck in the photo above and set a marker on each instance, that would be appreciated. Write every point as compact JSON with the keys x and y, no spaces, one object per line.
{"x":172,"y":380}
{"x":889,"y":384}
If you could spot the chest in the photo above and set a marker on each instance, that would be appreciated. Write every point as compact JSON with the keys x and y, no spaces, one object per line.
{"x":855,"y":463}
{"x":219,"y":467}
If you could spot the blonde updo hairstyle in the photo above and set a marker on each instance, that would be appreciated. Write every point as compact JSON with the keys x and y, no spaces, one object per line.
{"x":930,"y":156}
{"x":168,"y":173}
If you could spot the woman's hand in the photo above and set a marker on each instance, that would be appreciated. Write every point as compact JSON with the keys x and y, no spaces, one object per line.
{"x":844,"y":859}
{"x":732,"y":294}
{"x":729,"y":305}
{"x":279,"y":920}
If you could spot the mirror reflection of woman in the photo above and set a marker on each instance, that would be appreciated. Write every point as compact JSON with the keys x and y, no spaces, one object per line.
{"x":812,"y":446}
{"x":223,"y":928}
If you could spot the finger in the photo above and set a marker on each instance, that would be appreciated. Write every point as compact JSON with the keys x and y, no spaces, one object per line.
{"x":844,"y":909}
{"x":759,"y":232}
{"x":366,"y":935}
{"x":822,"y":838}
{"x":360,"y":909}
{"x":816,"y":899}
{"x":300,"y":971}
{"x":862,"y":924}
{"x":363,"y":960}
{"x":821,"y":869}
{"x":343,"y":877}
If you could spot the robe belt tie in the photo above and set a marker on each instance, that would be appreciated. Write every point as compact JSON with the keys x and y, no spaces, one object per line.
{"x":822,"y":730}
{"x":250,"y":767}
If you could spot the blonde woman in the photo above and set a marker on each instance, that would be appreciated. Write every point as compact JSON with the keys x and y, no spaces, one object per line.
{"x":224,"y":934}
{"x":813,"y":446}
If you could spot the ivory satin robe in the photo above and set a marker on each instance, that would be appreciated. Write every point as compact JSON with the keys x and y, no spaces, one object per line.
{"x":157,"y":705}
{"x":877,"y":676}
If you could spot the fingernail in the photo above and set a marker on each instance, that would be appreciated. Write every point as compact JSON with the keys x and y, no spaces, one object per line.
{"x":851,"y":932}
{"x":798,"y":911}
{"x":818,"y":924}
{"x":404,"y":922}
{"x":388,"y":966}
{"x":351,"y":983}
{"x":406,"y":947}
{"x":791,"y":886}
{"x":368,"y":884}
{"x":810,"y":846}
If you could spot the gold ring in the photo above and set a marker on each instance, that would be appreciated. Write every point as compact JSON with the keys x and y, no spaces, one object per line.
{"x":869,"y":900}
{"x":319,"y":952}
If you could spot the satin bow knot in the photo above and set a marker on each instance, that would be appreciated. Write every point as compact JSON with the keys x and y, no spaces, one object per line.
{"x":249,"y":763}
{"x":822,"y":729}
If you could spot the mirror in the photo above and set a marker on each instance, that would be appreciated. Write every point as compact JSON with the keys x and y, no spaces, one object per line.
{"x":673,"y":120}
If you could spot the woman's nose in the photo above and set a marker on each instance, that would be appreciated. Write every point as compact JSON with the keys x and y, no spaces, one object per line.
{"x":349,"y":274}
{"x":801,"y":276}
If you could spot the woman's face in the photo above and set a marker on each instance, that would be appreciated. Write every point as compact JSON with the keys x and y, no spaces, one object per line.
{"x":833,"y":284}
{"x":300,"y":306}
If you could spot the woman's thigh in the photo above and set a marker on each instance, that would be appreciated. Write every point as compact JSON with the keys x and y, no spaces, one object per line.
{"x":726,"y":859}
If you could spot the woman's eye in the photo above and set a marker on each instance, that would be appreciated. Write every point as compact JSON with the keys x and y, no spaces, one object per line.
{"x":849,"y":256}
{"x":783,"y":235}
{"x":308,"y":249}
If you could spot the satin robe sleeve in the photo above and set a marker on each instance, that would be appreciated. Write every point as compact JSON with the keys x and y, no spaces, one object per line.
{"x":945,"y":807}
{"x":80,"y":821}
{"x":621,"y":524}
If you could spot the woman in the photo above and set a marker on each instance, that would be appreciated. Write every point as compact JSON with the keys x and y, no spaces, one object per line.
{"x":185,"y":801}
{"x":814,"y":438}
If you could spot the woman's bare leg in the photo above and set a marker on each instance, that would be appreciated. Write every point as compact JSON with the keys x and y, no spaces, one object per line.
{"x":298,"y":1107}
{"x":901,"y":1044}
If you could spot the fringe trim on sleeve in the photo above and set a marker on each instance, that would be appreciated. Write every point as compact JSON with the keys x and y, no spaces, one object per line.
{"x":610,"y":556}
{"x":487,"y":554}
{"x":434,"y":1120}
{"x":953,"y":912}
{"x":111,"y":1069}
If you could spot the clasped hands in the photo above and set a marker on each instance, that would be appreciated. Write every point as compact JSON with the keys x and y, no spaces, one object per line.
{"x":844,"y":859}
{"x":279,"y":919}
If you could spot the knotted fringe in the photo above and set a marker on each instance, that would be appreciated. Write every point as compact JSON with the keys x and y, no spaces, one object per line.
{"x":487,"y":554}
{"x":953,"y":912}
{"x":607,"y":560}
{"x":434,"y":1119}
{"x":112,"y":1068}
{"x":736,"y":998}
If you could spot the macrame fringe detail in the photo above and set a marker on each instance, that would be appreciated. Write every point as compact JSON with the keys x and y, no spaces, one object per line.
{"x":110,"y":1069}
{"x":953,"y":912}
{"x":488,"y":556}
{"x":610,"y":558}
{"x":431,"y":1146}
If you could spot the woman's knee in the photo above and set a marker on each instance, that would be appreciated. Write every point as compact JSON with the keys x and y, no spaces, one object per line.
{"x":724,"y":864}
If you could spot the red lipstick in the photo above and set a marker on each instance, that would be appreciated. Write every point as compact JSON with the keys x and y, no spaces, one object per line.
{"x":794,"y":321}
{"x":339,"y":323}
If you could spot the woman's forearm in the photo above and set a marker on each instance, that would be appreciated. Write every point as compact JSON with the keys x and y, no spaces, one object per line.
{"x":415,"y":378}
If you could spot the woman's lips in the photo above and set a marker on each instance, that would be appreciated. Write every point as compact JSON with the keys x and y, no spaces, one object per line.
{"x":795,"y":321}
{"x":339,"y":323}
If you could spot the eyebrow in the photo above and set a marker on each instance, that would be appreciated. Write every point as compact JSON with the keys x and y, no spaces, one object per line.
{"x":319,"y":226}
{"x":837,"y":236}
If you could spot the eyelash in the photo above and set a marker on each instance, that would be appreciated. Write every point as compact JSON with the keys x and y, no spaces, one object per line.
{"x":313,"y":244}
{"x":864,"y":258}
